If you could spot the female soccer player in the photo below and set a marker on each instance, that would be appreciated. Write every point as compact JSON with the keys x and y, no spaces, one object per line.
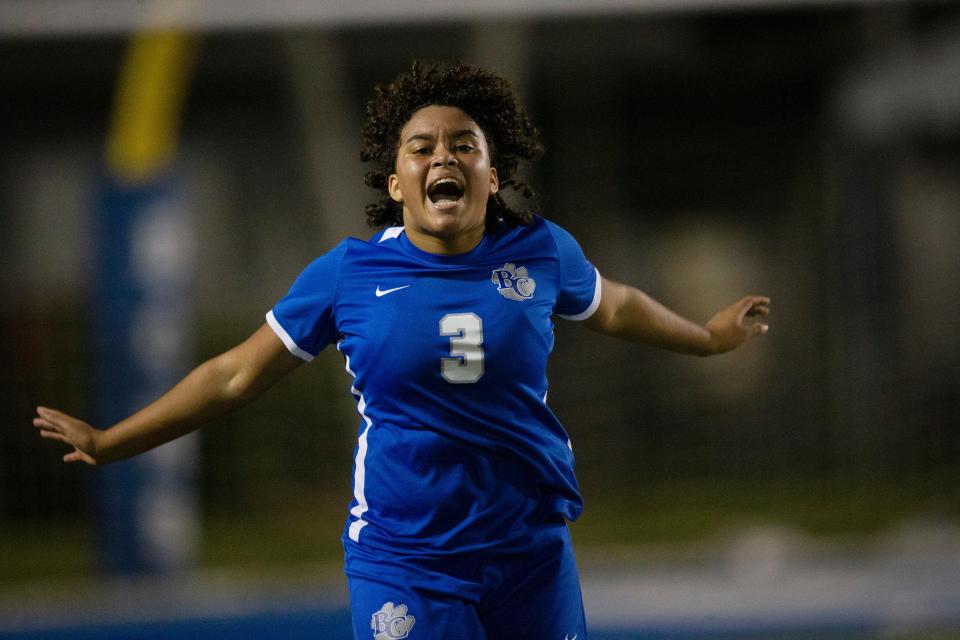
{"x":463,"y":477}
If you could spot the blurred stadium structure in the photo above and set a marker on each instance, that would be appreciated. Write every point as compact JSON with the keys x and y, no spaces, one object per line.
{"x":699,"y":149}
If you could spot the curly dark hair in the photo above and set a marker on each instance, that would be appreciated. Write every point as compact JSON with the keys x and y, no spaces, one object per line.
{"x":487,"y":98}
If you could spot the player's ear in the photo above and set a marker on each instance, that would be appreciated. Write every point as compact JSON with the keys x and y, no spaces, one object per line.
{"x":494,"y":181}
{"x":393,"y":188}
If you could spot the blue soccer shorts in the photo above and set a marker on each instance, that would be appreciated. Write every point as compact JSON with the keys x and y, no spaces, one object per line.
{"x":530,"y":591}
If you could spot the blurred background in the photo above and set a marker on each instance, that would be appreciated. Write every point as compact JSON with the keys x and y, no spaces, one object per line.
{"x":168,"y":168}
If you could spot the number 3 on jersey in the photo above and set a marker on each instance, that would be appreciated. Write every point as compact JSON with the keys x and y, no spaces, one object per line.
{"x":465,"y":363}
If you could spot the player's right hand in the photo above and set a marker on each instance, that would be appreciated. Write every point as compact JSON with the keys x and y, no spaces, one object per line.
{"x":55,"y":425}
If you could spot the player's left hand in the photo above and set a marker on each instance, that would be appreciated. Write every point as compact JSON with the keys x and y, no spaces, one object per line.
{"x":729,"y":328}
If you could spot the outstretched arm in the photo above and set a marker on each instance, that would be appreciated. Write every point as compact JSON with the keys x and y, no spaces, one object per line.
{"x":628,"y":313}
{"x":214,"y":388}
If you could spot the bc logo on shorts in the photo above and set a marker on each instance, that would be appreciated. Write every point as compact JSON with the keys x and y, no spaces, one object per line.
{"x":513,"y":282}
{"x":391,"y":622}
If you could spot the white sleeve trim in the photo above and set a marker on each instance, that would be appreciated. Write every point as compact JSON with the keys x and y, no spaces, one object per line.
{"x":286,"y":339}
{"x":586,"y":313}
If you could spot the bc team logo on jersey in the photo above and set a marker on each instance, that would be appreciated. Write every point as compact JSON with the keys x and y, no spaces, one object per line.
{"x":513,"y":282}
{"x":391,"y":622}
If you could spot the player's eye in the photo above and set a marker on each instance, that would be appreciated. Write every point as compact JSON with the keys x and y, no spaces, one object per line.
{"x":466,"y":148}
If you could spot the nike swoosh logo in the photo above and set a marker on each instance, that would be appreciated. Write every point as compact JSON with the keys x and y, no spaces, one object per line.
{"x":383,"y":292}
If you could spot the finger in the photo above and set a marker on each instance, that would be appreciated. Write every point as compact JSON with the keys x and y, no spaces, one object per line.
{"x":41,"y":423}
{"x":45,"y":426}
{"x":56,"y":420}
{"x":51,"y":414}
{"x":53,"y":435}
{"x":78,"y":456}
{"x":752,"y":306}
{"x":759,"y":329}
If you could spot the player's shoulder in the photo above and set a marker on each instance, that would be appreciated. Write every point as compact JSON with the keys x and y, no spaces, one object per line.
{"x":555,"y":234}
{"x":553,"y":228}
{"x":327,"y":265}
{"x":504,"y":231}
{"x":539,"y":236}
{"x":351,"y":247}
{"x":387,"y":239}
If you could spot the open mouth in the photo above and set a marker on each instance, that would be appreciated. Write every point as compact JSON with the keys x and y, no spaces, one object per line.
{"x":445,"y":192}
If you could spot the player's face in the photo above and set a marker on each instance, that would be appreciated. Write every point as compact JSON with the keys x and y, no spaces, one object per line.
{"x":443,"y":179}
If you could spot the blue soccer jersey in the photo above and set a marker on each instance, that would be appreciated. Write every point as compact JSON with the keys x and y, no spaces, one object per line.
{"x":457,"y":449}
